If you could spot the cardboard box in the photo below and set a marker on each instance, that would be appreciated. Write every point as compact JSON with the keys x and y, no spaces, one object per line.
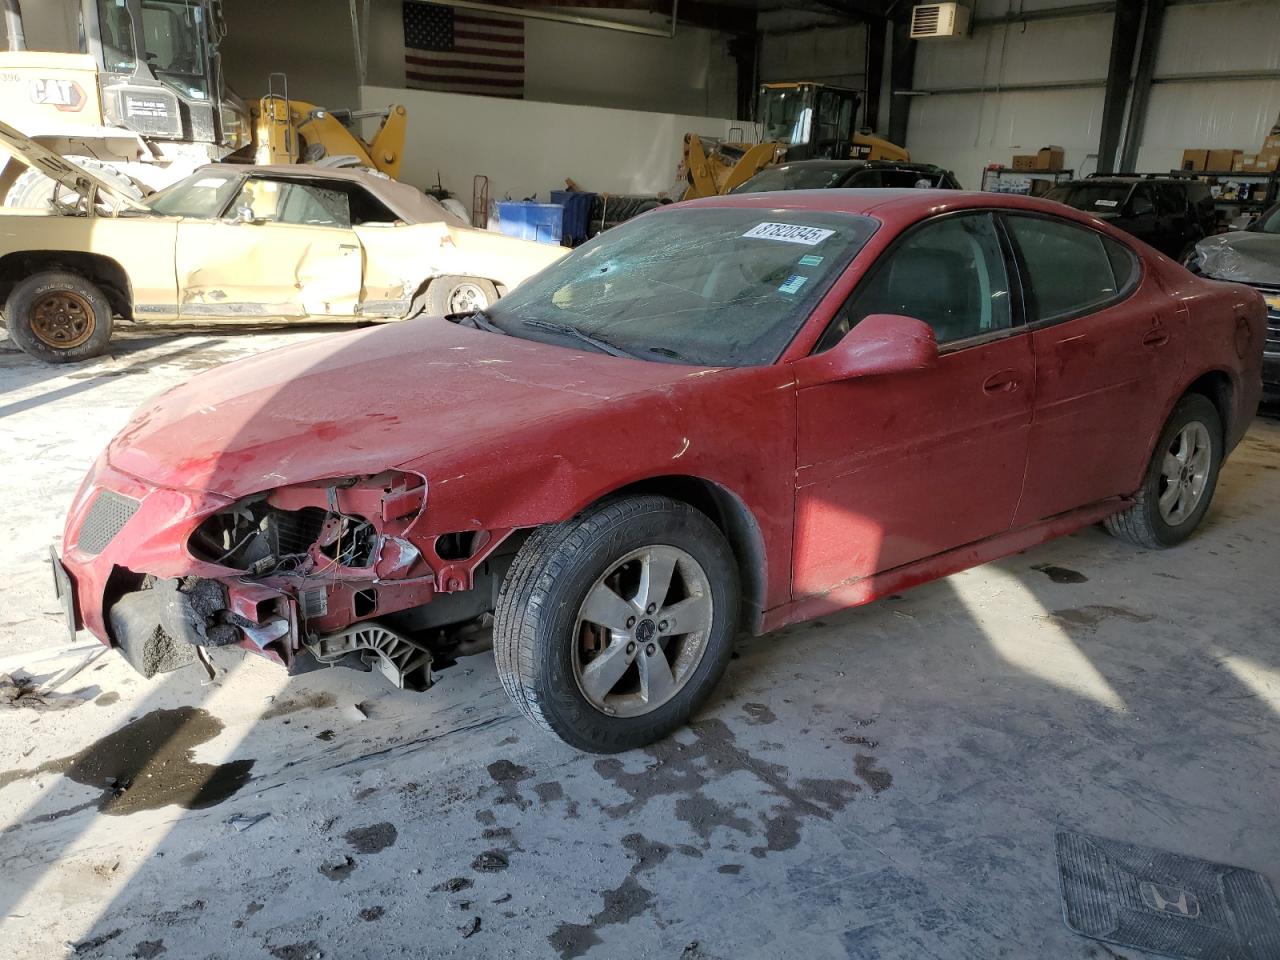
{"x":1024,"y":161}
{"x":1244,"y":162}
{"x":1194,"y":159}
{"x":1266,"y":161}
{"x":1220,"y":160}
{"x":1051,"y":158}
{"x":1272,"y":142}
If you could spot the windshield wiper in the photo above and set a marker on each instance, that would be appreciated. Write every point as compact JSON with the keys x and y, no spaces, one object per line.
{"x":479,"y":320}
{"x":565,"y":330}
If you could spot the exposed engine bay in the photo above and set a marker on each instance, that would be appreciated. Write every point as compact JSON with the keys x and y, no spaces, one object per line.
{"x":334,"y":569}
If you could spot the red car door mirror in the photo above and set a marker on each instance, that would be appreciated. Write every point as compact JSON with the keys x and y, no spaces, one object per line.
{"x":880,"y":343}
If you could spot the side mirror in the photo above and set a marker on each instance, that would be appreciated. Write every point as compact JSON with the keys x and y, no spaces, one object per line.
{"x":244,"y":214}
{"x":1140,"y":207}
{"x":881,"y":343}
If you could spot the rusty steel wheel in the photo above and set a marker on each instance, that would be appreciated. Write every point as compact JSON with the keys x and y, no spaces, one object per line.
{"x":62,"y":320}
{"x":59,"y":316}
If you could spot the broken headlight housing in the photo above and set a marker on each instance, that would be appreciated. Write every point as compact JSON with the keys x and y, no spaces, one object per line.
{"x":311,"y":528}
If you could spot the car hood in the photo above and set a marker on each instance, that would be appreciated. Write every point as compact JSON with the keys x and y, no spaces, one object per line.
{"x":1243,"y":257}
{"x":362,"y":402}
{"x":57,"y":167}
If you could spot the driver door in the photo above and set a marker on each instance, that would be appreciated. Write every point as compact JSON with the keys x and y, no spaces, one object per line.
{"x":898,"y":467}
{"x":287,"y":250}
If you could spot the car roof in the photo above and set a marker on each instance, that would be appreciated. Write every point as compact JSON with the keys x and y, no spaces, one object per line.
{"x":404,"y":200}
{"x":895,"y":207}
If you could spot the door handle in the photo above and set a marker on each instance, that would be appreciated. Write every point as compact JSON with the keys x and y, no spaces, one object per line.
{"x":1155,"y":337}
{"x":1006,"y":381}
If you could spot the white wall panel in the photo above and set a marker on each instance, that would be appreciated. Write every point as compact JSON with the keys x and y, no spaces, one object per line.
{"x":1220,"y":37}
{"x":966,"y":132}
{"x":1041,"y":51}
{"x":525,"y":147}
{"x":1235,"y":115}
{"x":835,"y":55}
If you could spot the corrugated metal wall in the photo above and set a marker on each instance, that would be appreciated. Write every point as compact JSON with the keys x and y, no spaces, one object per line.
{"x":999,"y":114}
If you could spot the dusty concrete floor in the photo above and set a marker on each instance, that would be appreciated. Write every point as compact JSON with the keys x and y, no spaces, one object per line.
{"x":884,"y":783}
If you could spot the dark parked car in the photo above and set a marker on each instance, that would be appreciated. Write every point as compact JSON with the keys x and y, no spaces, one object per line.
{"x":1171,"y":213}
{"x":830,"y":174}
{"x":1250,"y":256}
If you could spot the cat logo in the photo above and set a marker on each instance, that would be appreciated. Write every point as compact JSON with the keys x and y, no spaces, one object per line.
{"x":1170,"y":900}
{"x":65,"y":95}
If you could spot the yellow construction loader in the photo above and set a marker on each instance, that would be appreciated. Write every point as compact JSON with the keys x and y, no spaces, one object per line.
{"x":797,"y":121}
{"x":140,"y":101}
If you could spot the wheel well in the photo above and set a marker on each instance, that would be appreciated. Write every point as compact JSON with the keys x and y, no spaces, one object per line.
{"x":105,"y":272}
{"x":1216,"y":387}
{"x":735,"y":521}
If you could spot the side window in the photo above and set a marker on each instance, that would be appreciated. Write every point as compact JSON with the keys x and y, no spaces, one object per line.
{"x":1124,"y":265}
{"x":311,"y":205}
{"x":1142,"y":202}
{"x":1070,"y":270}
{"x":949,"y":273}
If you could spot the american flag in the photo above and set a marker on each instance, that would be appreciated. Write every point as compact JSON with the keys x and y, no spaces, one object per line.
{"x":460,"y":51}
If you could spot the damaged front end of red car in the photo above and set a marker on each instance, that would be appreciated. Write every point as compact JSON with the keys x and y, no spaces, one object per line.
{"x":336,"y":568}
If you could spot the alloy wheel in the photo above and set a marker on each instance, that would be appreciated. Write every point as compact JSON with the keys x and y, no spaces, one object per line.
{"x":642,"y":631}
{"x":467,"y":298}
{"x":1184,"y":473}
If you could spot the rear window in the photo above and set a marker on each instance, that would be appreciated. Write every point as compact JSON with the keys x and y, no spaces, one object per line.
{"x":1093,"y":197}
{"x":794,"y":177}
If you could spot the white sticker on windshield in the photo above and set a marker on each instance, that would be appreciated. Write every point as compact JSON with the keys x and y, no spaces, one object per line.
{"x":789,"y":233}
{"x":211,"y":182}
{"x":1106,"y":203}
{"x":793,"y":284}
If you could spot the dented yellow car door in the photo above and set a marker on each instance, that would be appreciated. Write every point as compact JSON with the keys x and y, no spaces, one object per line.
{"x":282,"y":253}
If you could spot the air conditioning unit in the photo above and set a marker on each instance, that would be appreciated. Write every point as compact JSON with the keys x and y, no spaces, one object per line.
{"x":930,"y":20}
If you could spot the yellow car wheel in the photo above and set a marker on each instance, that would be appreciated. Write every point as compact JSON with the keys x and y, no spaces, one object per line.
{"x":59,"y":317}
{"x":447,"y":295}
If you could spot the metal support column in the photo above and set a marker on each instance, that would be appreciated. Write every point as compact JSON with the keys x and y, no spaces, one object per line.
{"x":902,"y":69}
{"x":1151,"y":27}
{"x":1124,"y":43}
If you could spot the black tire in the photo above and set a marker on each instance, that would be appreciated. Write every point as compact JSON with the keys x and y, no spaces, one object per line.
{"x":545,"y":588}
{"x":1143,"y":524}
{"x":34,"y":190}
{"x":31,"y":296}
{"x":443,"y":293}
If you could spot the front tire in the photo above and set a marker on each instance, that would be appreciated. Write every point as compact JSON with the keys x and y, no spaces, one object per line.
{"x":1180,"y":480}
{"x":612,"y":628}
{"x":59,"y":317}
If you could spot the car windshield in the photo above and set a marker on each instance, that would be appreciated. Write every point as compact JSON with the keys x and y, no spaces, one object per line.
{"x":712,"y":286}
{"x":1269,"y":222}
{"x":1094,"y":197}
{"x":794,"y":176}
{"x":202,"y":195}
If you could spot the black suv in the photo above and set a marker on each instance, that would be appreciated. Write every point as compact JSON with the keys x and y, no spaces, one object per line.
{"x":845,"y":174}
{"x":1170,"y":213}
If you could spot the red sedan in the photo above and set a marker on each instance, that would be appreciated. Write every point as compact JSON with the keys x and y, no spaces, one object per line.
{"x":730,"y":414}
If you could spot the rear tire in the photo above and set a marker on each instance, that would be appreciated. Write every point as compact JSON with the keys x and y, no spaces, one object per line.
{"x":1180,"y":480}
{"x":570,"y":578}
{"x":33,"y":190}
{"x":446,"y":295}
{"x":59,"y":317}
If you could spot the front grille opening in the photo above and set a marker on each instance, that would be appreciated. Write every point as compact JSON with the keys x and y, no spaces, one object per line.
{"x":255,"y":536}
{"x":106,"y":518}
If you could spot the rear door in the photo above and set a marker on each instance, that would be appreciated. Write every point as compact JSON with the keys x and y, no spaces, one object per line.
{"x":288,"y":250}
{"x":1108,"y":345}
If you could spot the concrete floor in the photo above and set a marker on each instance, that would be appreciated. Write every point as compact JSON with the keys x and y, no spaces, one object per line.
{"x":883,"y":783}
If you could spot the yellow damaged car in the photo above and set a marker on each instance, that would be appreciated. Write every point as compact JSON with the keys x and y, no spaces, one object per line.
{"x":235,"y":242}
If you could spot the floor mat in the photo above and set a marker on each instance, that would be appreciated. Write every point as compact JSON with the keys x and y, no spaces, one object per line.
{"x":1166,"y":903}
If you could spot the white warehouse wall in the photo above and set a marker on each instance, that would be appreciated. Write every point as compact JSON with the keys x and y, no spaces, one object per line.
{"x":828,"y":54}
{"x":966,"y":131}
{"x":526,"y":147}
{"x":1232,"y":114}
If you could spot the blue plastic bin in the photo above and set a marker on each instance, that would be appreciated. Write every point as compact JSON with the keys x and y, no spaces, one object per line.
{"x":543,"y":222}
{"x":577,"y":214}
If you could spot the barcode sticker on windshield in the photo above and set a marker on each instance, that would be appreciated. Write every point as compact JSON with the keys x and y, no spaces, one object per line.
{"x":789,"y":233}
{"x":1106,"y":203}
{"x":793,"y":284}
